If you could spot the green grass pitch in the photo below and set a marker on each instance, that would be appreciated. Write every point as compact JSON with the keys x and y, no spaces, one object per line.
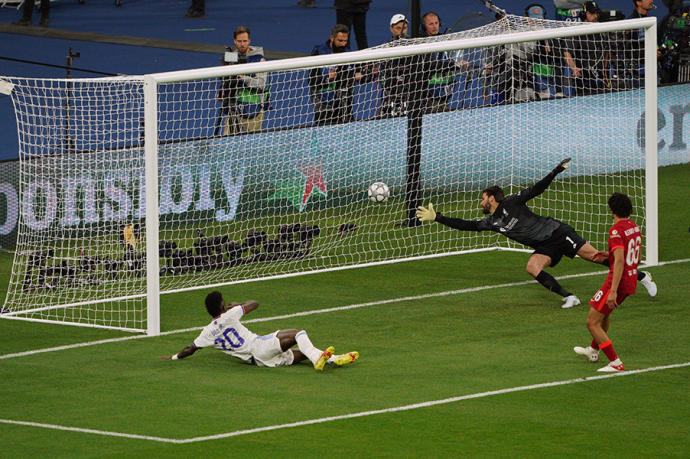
{"x":417,"y":345}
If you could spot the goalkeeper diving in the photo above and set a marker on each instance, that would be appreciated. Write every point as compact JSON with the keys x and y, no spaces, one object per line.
{"x":550,"y":238}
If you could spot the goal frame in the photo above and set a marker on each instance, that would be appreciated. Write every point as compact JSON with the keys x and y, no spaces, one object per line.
{"x":151,"y":83}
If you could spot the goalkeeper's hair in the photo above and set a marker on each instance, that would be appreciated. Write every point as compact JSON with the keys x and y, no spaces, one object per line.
{"x":620,"y":205}
{"x":214,"y":303}
{"x":495,"y":191}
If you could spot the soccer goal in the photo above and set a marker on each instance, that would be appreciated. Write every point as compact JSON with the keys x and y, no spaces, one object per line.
{"x":133,"y":187}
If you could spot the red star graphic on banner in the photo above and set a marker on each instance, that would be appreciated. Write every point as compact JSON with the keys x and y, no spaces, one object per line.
{"x":314,"y":175}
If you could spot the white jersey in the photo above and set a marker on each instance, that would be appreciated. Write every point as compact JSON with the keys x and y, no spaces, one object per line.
{"x":228,"y":334}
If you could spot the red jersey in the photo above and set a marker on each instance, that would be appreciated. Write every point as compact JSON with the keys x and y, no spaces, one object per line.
{"x":625,"y":234}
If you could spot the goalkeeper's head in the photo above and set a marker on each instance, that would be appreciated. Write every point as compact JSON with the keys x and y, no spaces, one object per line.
{"x":215,"y":305}
{"x":491,"y":197}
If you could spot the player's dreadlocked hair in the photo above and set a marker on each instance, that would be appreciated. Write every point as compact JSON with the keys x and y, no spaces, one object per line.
{"x":214,"y":302}
{"x":495,"y":191}
{"x":620,"y":205}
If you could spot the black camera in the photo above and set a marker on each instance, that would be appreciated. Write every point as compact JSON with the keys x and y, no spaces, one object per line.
{"x":611,"y":15}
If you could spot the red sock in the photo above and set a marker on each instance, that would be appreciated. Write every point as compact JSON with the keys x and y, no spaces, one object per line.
{"x":594,"y":344}
{"x":607,"y":347}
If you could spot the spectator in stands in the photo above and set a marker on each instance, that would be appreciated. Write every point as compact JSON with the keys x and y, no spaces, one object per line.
{"x":642,"y":8}
{"x":431,"y":24}
{"x":509,"y":70}
{"x":398,"y":26}
{"x":546,"y":60}
{"x":28,"y":10}
{"x":441,"y":66}
{"x":354,"y":13}
{"x":243,"y":97}
{"x":394,"y":74}
{"x":635,"y":57}
{"x":405,"y":80}
{"x":332,"y":87}
{"x":197,"y":10}
{"x":588,"y":57}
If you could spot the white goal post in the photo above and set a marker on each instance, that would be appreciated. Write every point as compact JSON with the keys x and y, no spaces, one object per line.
{"x":261,"y":170}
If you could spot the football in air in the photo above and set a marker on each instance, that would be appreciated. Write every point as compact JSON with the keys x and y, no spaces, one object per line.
{"x":378,"y":192}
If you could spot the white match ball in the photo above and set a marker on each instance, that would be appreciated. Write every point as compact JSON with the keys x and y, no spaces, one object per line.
{"x":378,"y":192}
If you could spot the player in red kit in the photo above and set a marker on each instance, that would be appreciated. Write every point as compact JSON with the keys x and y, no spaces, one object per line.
{"x":625,"y":245}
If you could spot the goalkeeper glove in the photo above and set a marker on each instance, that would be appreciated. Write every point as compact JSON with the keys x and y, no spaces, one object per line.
{"x":426,"y":215}
{"x":563,"y":165}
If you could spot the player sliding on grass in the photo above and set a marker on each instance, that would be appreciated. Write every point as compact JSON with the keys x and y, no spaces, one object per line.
{"x":550,"y":238}
{"x":625,"y":245}
{"x":226,"y":333}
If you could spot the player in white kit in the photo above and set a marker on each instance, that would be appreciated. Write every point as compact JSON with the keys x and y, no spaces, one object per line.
{"x":229,"y":335}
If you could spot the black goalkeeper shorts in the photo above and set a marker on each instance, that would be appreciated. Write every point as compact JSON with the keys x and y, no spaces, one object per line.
{"x":563,"y":241}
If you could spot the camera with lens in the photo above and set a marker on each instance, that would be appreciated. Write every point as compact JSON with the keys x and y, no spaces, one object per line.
{"x":674,"y":60}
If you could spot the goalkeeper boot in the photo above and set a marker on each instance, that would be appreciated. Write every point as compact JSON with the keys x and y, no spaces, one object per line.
{"x":570,"y":301}
{"x":323,"y":358}
{"x":613,"y":367}
{"x":648,"y":283}
{"x":344,"y":359}
{"x":589,"y":352}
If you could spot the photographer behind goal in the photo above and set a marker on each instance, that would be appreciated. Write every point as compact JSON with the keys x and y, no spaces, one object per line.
{"x":243,"y":98}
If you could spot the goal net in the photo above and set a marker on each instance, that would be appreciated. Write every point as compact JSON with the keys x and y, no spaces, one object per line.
{"x":261,"y":170}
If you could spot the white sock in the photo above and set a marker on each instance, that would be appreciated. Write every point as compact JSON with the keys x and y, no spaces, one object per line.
{"x":305,"y":346}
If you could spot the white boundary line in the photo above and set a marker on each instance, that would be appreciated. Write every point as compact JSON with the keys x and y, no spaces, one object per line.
{"x":316,"y":311}
{"x":345,"y":416}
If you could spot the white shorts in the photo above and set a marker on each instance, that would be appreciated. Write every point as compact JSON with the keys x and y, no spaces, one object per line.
{"x":267,"y":352}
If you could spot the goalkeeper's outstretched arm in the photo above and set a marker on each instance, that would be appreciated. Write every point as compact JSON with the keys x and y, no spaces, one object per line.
{"x":539,"y":187}
{"x":425,"y":214}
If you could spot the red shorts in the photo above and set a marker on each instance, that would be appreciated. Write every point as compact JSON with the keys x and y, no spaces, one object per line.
{"x":598,"y":301}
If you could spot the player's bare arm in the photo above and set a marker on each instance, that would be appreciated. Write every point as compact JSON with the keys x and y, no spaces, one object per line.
{"x":248,"y":305}
{"x":618,"y":266}
{"x":186,"y":352}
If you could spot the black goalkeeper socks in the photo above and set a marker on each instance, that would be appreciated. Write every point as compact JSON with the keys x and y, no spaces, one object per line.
{"x":550,"y":282}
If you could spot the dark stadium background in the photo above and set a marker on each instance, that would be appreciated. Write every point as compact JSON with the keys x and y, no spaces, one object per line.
{"x":279,"y":26}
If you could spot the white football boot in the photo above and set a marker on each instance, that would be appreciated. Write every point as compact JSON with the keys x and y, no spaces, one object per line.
{"x":589,"y":352}
{"x":649,"y":284}
{"x":570,"y":301}
{"x":613,"y":367}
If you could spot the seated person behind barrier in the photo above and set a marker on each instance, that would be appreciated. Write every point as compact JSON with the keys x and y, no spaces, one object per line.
{"x":244,"y":98}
